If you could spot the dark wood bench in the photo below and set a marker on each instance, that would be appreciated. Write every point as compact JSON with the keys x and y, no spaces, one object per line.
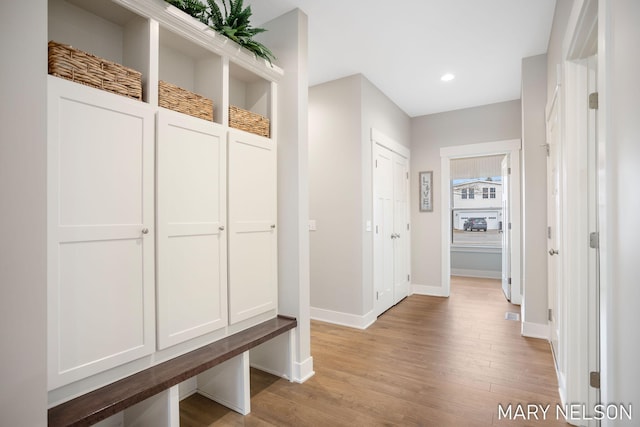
{"x":113,"y":398}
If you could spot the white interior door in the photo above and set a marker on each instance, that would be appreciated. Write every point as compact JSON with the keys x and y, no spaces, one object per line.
{"x":400,"y":228}
{"x":553,"y":228}
{"x":594,"y":253}
{"x":506,"y":229}
{"x":383,"y":259}
{"x":391,"y":230}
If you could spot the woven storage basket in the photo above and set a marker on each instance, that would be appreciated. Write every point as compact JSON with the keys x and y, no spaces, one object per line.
{"x":177,"y":99}
{"x":248,"y":121}
{"x":82,"y":67}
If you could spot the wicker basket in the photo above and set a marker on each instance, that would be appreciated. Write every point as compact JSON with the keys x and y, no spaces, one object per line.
{"x":81,"y":67}
{"x":248,"y":121}
{"x":177,"y":99}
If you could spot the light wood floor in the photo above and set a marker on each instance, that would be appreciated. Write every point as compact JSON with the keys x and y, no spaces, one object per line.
{"x":426,"y":362}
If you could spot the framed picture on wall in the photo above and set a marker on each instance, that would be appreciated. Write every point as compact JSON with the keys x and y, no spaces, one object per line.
{"x":426,"y":191}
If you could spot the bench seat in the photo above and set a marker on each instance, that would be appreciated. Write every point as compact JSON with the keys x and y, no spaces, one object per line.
{"x":106,"y":401}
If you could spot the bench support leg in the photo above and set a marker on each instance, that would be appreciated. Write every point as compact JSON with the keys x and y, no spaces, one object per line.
{"x":161,"y":410}
{"x":275,"y":356}
{"x":228,"y":384}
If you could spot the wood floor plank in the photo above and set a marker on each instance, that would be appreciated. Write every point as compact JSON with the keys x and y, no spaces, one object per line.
{"x":428,"y":361}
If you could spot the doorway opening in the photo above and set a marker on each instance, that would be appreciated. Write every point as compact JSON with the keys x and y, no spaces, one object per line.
{"x":507,"y":154}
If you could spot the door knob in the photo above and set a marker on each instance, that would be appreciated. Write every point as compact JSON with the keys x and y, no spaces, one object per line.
{"x":553,"y":252}
{"x":221,"y":228}
{"x":145,"y":231}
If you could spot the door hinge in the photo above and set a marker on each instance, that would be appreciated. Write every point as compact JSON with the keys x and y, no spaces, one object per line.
{"x":407,"y":227}
{"x":594,"y":379}
{"x":509,"y":226}
{"x":550,"y":315}
{"x":377,"y":295}
{"x":376,"y":229}
{"x":549,"y":232}
{"x":407,"y":175}
{"x":593,"y":101}
{"x":547,"y":148}
{"x":594,"y":240}
{"x":376,"y":162}
{"x":408,"y":277}
{"x":509,"y":280}
{"x":508,"y":171}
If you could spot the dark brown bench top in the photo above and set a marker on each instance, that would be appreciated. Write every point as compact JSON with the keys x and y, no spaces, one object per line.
{"x":104,"y":402}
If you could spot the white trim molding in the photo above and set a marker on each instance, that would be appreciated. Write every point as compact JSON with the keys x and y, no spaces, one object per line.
{"x":430,"y":290}
{"x":302,"y":371}
{"x":483,"y":274}
{"x":535,"y":330}
{"x":343,"y":319}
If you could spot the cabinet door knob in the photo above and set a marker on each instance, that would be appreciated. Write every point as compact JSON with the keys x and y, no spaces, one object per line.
{"x":145,"y":231}
{"x":273,"y":226}
{"x":553,"y":252}
{"x":221,"y":228}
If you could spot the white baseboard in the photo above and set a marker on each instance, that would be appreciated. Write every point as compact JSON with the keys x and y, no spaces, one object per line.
{"x":302,"y":371}
{"x":535,"y":330}
{"x":343,"y":319}
{"x":434,"y":291}
{"x":484,"y":274}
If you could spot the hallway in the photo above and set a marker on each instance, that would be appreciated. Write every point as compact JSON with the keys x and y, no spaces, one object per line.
{"x":427,"y":361}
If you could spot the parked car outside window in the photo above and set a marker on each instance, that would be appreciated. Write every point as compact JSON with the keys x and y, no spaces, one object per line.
{"x":475,"y":224}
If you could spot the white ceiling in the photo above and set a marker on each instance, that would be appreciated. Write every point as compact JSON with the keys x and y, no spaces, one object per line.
{"x":405,"y":46}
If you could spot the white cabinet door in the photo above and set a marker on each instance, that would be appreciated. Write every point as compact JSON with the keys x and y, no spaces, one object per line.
{"x":192,"y":245}
{"x":252,"y":199}
{"x":100,"y":231}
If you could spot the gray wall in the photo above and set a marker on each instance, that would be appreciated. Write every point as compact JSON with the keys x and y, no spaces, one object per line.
{"x":534,"y":190}
{"x":288,"y":39}
{"x":378,"y":112}
{"x":23,"y":259}
{"x":476,"y":263}
{"x":488,"y":123}
{"x":335,"y":195}
{"x":341,"y":115}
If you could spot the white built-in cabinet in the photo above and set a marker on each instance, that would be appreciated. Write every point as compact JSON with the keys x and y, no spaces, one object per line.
{"x":100,"y":231}
{"x":161,"y":226}
{"x":191,"y":219}
{"x":252,"y":226}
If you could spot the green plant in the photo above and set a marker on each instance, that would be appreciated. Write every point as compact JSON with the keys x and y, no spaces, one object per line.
{"x":193,"y":8}
{"x":233,"y":24}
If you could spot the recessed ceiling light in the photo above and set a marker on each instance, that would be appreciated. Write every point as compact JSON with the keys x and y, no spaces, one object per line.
{"x":447,"y":77}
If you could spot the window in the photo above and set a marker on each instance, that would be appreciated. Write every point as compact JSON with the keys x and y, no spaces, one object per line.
{"x":485,"y":192}
{"x":464,"y":193}
{"x":493,"y":193}
{"x":471,"y":195}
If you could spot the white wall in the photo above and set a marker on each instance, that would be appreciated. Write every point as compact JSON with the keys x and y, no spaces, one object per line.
{"x":534,"y":191}
{"x":288,"y":39}
{"x":341,"y":115}
{"x":488,"y":123}
{"x":620,"y":146}
{"x":23,"y":390}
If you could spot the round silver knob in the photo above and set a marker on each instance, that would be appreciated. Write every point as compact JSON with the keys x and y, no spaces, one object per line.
{"x":145,"y":231}
{"x":221,"y":228}
{"x":273,"y":226}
